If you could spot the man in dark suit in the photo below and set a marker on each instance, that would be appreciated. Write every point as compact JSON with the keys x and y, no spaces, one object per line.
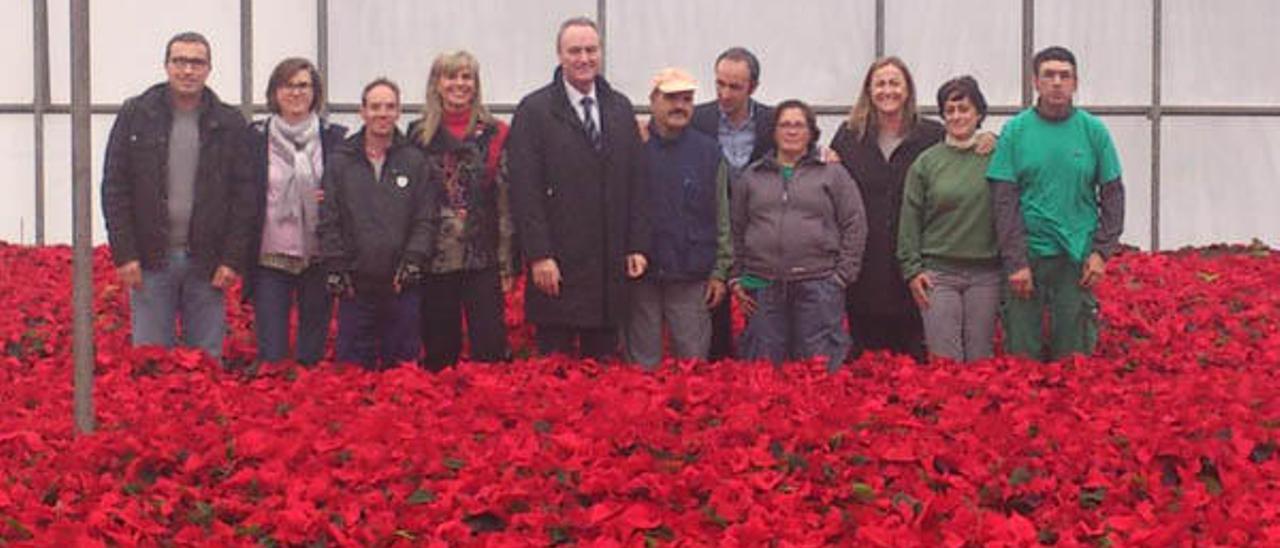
{"x":744,"y":129}
{"x":577,"y":174}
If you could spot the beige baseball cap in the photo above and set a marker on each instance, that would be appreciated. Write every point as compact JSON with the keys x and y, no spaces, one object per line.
{"x":674,"y":80}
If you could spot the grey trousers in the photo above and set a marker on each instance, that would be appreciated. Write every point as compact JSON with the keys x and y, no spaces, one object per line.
{"x":960,"y":322}
{"x":679,"y":305}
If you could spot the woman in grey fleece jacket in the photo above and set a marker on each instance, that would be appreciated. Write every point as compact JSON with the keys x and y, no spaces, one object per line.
{"x":798,"y":232}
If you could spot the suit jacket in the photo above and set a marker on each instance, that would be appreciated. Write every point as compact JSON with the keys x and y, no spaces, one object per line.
{"x":706,"y":118}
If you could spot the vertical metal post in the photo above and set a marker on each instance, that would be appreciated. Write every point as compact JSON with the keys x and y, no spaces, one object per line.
{"x":39,"y":102}
{"x":322,"y":46}
{"x":246,"y":58}
{"x":602,"y":12}
{"x":1028,"y":50}
{"x":1156,"y":116}
{"x":81,"y":218}
{"x":879,"y":29}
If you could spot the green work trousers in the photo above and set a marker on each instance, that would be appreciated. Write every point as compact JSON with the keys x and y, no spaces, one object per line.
{"x":1072,"y":312}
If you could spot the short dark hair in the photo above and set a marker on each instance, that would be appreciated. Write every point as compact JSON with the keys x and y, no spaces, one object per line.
{"x":1053,"y":53}
{"x":810,"y":118}
{"x":188,"y":36}
{"x":962,"y":87}
{"x":379,"y":81}
{"x":744,"y":55}
{"x":281,"y":75}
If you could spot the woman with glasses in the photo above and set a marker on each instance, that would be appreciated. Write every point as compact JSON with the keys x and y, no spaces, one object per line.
{"x":798,"y":233}
{"x":290,"y":150}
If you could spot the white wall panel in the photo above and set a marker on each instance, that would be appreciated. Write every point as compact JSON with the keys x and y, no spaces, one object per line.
{"x":57,"y":170}
{"x":514,"y":41}
{"x":813,"y":50}
{"x":1112,"y":44}
{"x":1221,"y":53}
{"x":1219,"y":181}
{"x":127,"y":39}
{"x":1132,"y":136}
{"x":942,"y":39}
{"x":16,"y":52}
{"x":17,"y":171}
{"x":281,"y":28}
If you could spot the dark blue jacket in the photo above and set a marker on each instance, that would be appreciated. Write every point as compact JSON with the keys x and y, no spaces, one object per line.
{"x":682,"y":205}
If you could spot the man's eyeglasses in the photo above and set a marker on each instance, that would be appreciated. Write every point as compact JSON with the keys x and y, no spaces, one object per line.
{"x":189,"y":62}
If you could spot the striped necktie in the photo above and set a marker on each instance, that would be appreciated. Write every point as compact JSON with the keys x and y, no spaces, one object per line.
{"x":589,"y":123}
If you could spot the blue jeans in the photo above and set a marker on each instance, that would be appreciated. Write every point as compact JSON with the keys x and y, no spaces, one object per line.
{"x":274,"y":294}
{"x":379,"y":331}
{"x":177,"y":294}
{"x":796,"y":321}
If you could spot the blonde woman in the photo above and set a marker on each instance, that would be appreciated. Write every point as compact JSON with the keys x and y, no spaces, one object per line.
{"x":473,"y":265}
{"x":877,"y":144}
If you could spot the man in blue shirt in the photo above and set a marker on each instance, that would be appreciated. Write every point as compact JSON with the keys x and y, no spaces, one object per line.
{"x":744,"y":129}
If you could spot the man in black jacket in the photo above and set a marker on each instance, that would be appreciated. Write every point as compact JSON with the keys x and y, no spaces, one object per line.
{"x":577,"y":174}
{"x":377,"y":230}
{"x":744,"y":129}
{"x":177,"y":202}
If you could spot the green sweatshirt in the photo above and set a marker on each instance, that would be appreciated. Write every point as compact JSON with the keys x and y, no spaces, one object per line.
{"x":946,"y":211}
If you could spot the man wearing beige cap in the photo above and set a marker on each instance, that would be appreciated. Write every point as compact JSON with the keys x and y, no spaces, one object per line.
{"x":688,"y":209}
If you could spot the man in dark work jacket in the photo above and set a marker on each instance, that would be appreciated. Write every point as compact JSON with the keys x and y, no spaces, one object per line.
{"x":178,"y":203}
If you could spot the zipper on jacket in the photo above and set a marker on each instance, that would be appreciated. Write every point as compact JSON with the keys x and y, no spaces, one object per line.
{"x":786,"y":206}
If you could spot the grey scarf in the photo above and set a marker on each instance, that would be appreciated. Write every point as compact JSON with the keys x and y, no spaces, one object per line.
{"x":293,"y":149}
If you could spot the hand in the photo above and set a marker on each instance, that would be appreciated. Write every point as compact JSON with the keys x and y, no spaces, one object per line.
{"x":224,"y":277}
{"x":339,"y":284}
{"x":643,"y":125}
{"x":1020,"y":283}
{"x":984,"y":143}
{"x":1094,"y":268}
{"x":507,"y":282}
{"x":546,"y":276}
{"x":745,"y":301}
{"x":715,"y":292}
{"x":407,"y":275}
{"x":920,"y":286}
{"x":828,"y":155}
{"x":130,"y":274}
{"x":636,"y":263}
{"x":319,"y":195}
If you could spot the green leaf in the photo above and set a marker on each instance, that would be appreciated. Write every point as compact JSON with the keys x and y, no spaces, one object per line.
{"x":1019,"y":476}
{"x":863,"y":493}
{"x":902,"y":498}
{"x":1261,"y":452}
{"x":420,"y":496}
{"x":1092,"y":498}
{"x":454,"y":463}
{"x":714,"y":517}
{"x":484,"y":522}
{"x":1208,"y":475}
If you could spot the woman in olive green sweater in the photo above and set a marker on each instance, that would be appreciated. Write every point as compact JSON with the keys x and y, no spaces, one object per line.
{"x":946,"y":232}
